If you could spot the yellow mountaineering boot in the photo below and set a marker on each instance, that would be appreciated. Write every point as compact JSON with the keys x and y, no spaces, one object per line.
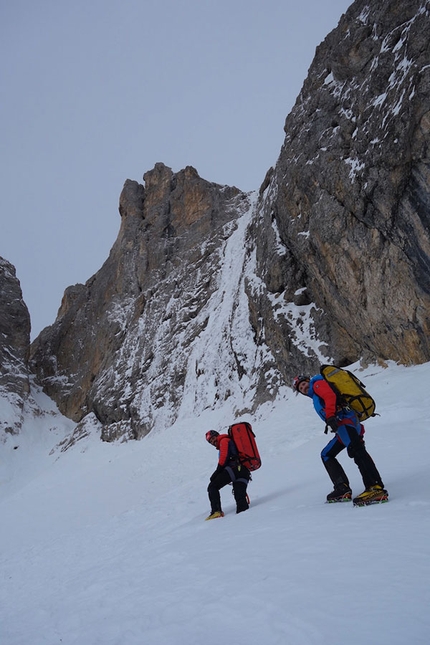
{"x":214,"y":515}
{"x":373,"y":495}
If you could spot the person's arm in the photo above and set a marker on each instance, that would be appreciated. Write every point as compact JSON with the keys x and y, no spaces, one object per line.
{"x":223,"y":452}
{"x":324,"y":391}
{"x":222,"y":458}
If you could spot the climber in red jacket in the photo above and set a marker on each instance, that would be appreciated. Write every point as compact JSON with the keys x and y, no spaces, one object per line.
{"x":229,"y":470}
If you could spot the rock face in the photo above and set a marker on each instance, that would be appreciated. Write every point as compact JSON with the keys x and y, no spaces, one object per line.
{"x":349,"y":198}
{"x":14,"y":349}
{"x":211,"y":295}
{"x":121,"y":342}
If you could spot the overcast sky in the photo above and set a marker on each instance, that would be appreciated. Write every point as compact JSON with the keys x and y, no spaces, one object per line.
{"x":97,"y":91}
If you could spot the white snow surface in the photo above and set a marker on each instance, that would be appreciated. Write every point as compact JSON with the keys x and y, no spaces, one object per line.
{"x":107,"y":544}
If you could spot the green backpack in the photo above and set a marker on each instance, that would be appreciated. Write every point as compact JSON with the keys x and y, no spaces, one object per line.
{"x":350,"y":391}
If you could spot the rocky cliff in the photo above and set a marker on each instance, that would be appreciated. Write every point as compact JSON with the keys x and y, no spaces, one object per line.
{"x":349,"y":197}
{"x":122,"y":343}
{"x":211,"y":295}
{"x":14,"y":349}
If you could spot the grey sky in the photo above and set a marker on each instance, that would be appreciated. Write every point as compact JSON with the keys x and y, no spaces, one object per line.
{"x":97,"y":91}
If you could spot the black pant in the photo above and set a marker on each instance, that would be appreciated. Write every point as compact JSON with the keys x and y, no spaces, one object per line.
{"x":239,"y":475}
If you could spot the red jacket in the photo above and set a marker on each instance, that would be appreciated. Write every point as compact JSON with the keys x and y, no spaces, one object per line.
{"x":227,"y":450}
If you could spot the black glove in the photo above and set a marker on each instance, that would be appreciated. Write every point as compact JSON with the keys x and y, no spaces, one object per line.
{"x":331,"y":423}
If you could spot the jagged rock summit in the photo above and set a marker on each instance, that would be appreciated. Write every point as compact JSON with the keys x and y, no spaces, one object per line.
{"x":120,"y":347}
{"x":212,"y":297}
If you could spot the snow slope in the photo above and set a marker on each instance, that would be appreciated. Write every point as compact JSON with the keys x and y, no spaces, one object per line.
{"x":107,"y":544}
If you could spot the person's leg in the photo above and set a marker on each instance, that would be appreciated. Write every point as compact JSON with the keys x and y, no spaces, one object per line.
{"x":331,"y":464}
{"x":240,"y":477}
{"x":221,"y":480}
{"x":364,"y":462}
{"x":239,"y":491}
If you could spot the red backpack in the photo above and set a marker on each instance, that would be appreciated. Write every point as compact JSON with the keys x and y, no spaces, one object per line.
{"x":244,"y":439}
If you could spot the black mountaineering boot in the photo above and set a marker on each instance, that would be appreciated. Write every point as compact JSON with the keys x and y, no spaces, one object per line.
{"x":341,"y":493}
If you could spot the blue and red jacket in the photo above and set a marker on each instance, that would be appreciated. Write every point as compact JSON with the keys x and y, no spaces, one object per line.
{"x":325,"y":403}
{"x":323,"y":397}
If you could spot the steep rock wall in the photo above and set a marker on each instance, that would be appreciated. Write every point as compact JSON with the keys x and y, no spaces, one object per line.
{"x":347,"y":206}
{"x":14,"y":349}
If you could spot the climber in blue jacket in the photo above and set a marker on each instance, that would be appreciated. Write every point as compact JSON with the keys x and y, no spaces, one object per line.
{"x":349,"y":434}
